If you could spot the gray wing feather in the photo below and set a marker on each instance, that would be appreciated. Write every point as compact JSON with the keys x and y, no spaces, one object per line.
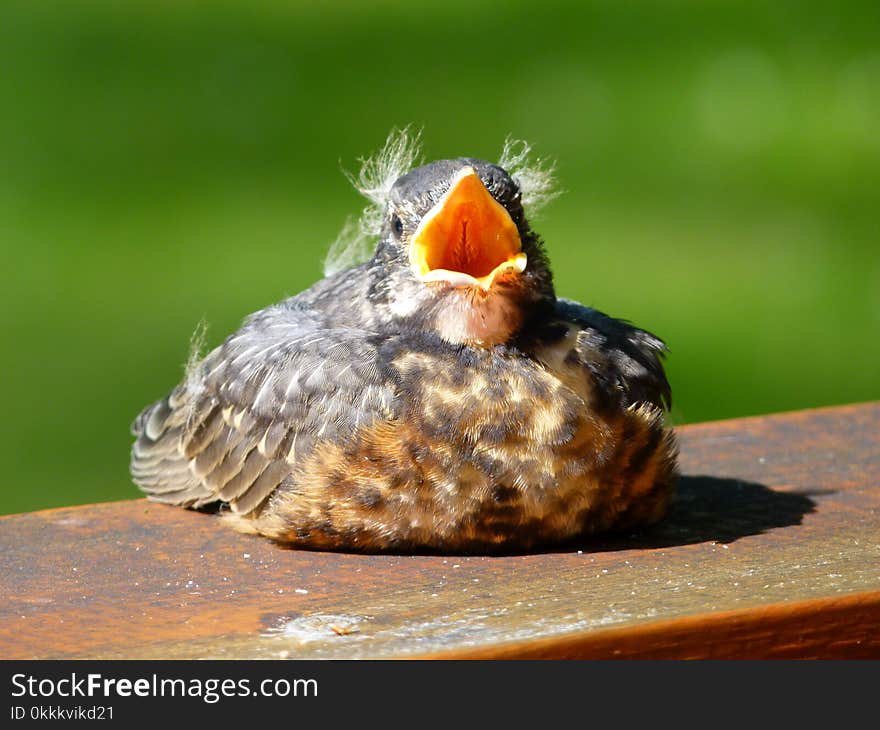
{"x":631,"y":357}
{"x":237,"y":426}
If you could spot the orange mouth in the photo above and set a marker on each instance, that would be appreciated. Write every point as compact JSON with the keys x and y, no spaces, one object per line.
{"x":467,"y":238}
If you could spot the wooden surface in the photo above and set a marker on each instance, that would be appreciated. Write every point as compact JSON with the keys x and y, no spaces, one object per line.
{"x":772,"y":549}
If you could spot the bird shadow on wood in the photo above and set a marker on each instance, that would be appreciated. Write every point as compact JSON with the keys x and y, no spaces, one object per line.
{"x":713,"y":509}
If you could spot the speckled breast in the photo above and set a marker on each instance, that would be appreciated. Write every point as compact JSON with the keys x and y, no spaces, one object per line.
{"x":494,"y":449}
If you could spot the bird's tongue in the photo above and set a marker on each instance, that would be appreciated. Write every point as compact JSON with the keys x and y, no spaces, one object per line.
{"x":467,"y":238}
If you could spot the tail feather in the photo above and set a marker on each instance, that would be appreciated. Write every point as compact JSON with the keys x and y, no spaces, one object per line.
{"x":158,"y":465}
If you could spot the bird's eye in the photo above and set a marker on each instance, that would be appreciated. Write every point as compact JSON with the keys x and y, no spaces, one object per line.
{"x":397,"y":226}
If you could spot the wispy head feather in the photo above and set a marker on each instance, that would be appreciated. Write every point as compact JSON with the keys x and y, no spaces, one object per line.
{"x":378,"y":173}
{"x":535,"y":177}
{"x":374,"y":181}
{"x":352,"y":246}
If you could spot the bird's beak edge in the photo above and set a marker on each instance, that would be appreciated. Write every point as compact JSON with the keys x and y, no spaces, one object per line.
{"x":467,"y":239}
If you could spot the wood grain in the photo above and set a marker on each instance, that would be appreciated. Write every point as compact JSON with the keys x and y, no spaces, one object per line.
{"x":772,"y":549}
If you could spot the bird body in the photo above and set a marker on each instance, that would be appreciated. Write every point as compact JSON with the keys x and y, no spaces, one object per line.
{"x":438,"y":396}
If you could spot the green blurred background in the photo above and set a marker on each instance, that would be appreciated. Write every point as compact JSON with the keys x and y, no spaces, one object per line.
{"x":168,"y":162}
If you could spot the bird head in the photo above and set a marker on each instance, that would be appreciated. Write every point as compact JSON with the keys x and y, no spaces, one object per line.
{"x":456,"y":255}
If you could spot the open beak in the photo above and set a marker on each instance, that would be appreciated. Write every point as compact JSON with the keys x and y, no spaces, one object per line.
{"x":467,"y":238}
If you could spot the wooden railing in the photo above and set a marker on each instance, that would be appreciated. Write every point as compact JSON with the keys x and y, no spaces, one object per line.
{"x":772,"y":549}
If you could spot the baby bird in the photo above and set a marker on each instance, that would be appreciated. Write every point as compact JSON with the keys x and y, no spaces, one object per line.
{"x":437,"y":397}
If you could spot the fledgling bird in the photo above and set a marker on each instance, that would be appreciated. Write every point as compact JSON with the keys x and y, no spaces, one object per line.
{"x":438,"y":396}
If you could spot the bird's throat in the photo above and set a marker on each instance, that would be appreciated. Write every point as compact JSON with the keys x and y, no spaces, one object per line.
{"x":476,"y":318}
